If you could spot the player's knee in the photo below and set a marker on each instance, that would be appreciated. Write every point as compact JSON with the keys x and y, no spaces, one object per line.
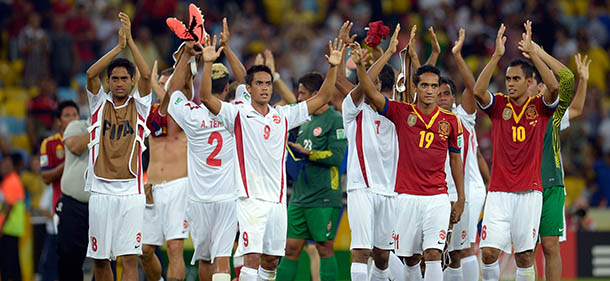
{"x":381,"y":258}
{"x":456,"y":259}
{"x":252,"y":260}
{"x":174,"y":249}
{"x":129,"y":261}
{"x":361,"y":255}
{"x":100,"y":264}
{"x":413,"y":260}
{"x":550,"y":245}
{"x":490,"y":255}
{"x":148,"y":251}
{"x":269,"y":262}
{"x":524,"y":259}
{"x":325,"y":249}
{"x":467,"y":252}
{"x":432,"y":255}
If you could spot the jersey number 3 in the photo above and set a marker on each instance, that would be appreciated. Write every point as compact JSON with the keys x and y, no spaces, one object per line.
{"x":211,"y":161}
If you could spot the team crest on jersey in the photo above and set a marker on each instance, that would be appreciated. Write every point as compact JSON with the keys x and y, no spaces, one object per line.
{"x":59,"y":151}
{"x":412,"y":120}
{"x":443,"y":128}
{"x":276,"y":119}
{"x":317,"y":131}
{"x":531,"y":112}
{"x":507,"y":113}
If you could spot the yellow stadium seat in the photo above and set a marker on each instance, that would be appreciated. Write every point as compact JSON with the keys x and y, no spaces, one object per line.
{"x":21,"y":141}
{"x":16,"y":108}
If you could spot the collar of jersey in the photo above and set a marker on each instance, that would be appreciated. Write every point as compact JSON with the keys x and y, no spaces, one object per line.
{"x":271,"y":109}
{"x":429,"y":124}
{"x":109,"y":98}
{"x":516,"y":117}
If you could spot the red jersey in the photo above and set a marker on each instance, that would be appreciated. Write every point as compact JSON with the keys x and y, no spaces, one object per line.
{"x":156,"y":123}
{"x":517,"y":137}
{"x":423,"y":143}
{"x":52,"y":154}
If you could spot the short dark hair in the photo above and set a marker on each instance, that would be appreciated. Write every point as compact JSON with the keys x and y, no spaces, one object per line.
{"x":121,"y":62}
{"x":67,"y":103}
{"x":426,"y":69}
{"x":255,"y":69}
{"x":312,"y":81}
{"x":218,"y":85}
{"x":166,"y":72}
{"x":537,"y":76}
{"x":527,"y":68}
{"x":386,"y":77}
{"x":446,"y":80}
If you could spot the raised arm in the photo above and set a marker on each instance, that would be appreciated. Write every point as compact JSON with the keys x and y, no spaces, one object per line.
{"x":179,"y":78}
{"x":468,"y":102}
{"x":366,"y":84}
{"x":328,"y":87}
{"x":144,"y":82}
{"x":239,"y":71}
{"x":526,"y":45}
{"x":581,"y":91}
{"x":480,"y":87}
{"x":376,"y":68}
{"x":210,"y":54}
{"x":285,"y":93}
{"x":343,"y":85}
{"x":412,"y":49}
{"x":436,"y":48}
{"x":93,"y":73}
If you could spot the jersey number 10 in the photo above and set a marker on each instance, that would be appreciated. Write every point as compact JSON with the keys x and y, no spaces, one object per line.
{"x":518,"y":134}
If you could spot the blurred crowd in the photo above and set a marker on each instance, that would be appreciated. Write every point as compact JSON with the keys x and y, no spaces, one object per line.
{"x":46,"y":47}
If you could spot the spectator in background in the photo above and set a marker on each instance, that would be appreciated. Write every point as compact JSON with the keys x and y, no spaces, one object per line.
{"x":12,"y":219}
{"x":107,"y":28}
{"x":34,"y":50}
{"x":602,"y":178}
{"x":48,"y":258}
{"x":146,"y":45}
{"x":32,"y":181}
{"x":83,"y":32}
{"x":41,"y":113}
{"x":565,"y":46}
{"x":600,"y":65}
{"x":62,"y":52}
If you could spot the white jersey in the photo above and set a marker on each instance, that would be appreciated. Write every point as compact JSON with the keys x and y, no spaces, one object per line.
{"x":473,"y":181}
{"x":372,"y":158}
{"x":260,"y":145}
{"x":96,"y":107}
{"x":210,"y":151}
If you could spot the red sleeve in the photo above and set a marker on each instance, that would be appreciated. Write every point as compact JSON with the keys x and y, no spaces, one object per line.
{"x":156,"y":123}
{"x":393,"y":110}
{"x":455,"y":136}
{"x":495,"y":107}
{"x":543,"y":108}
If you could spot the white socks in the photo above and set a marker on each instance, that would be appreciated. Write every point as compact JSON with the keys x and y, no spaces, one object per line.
{"x":434,"y":271}
{"x":265,"y":275}
{"x":453,"y":274}
{"x":413,"y":273}
{"x":359,"y":271}
{"x":248,"y":274}
{"x":491,"y":272}
{"x":525,"y":274}
{"x":470,"y":268}
{"x":221,"y":277}
{"x":379,"y":274}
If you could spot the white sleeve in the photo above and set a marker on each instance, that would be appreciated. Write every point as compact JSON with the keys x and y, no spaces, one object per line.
{"x":296,"y":114}
{"x":350,"y":110}
{"x":565,"y":120}
{"x":95,"y":99}
{"x":227,"y":114}
{"x":186,"y":113}
{"x":143,"y":104}
{"x":469,"y":119}
{"x":491,"y":102}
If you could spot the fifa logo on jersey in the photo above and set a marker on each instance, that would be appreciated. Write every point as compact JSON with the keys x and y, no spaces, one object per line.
{"x":530,"y":112}
{"x":117,"y":131}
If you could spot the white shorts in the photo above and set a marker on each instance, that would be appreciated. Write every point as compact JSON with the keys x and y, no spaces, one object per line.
{"x":262,"y":226}
{"x":476,"y":204}
{"x":511,"y":220}
{"x":421,"y":223}
{"x":213,"y":228}
{"x":371,"y":219}
{"x":115,"y":225}
{"x":460,"y":235}
{"x":166,"y":219}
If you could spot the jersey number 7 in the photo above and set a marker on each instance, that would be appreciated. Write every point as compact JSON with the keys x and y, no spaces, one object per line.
{"x":211,"y":161}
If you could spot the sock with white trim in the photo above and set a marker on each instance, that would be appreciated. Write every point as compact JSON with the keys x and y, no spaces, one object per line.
{"x":265,"y":275}
{"x":453,"y":274}
{"x":248,"y":274}
{"x":434,"y":271}
{"x":359,"y":272}
{"x":470,"y":268}
{"x":491,"y":272}
{"x":379,"y":274}
{"x":221,"y":277}
{"x":525,"y":274}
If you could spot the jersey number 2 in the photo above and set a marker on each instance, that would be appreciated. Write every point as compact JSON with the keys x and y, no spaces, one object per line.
{"x":215,"y":136}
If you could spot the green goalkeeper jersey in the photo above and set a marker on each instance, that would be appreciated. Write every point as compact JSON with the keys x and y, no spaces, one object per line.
{"x":319,"y":182}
